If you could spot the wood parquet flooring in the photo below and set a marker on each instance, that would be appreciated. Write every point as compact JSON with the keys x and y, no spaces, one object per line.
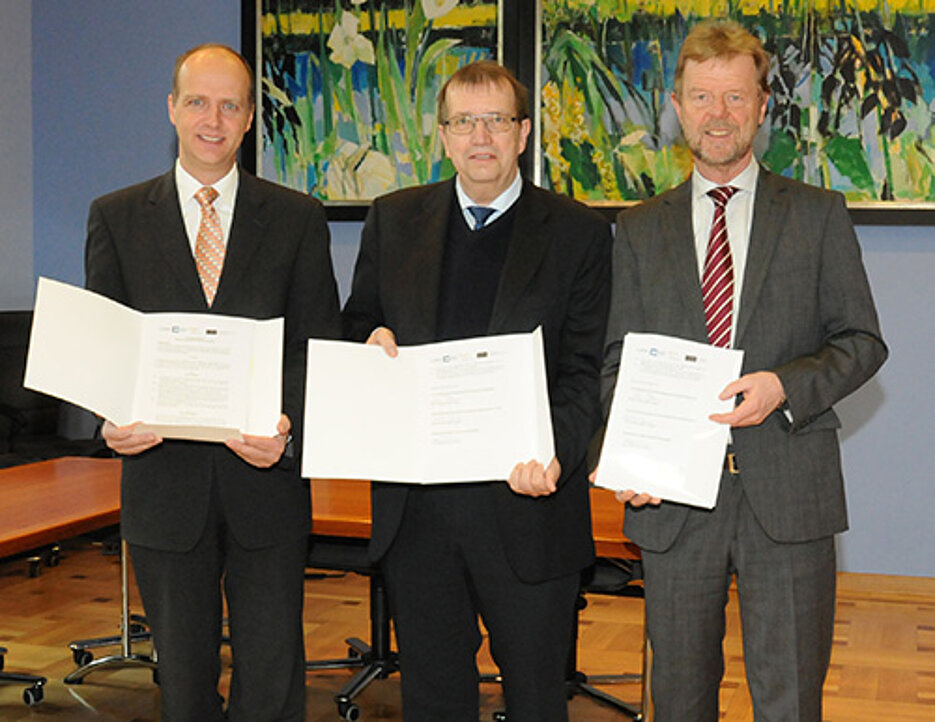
{"x":883,"y":663}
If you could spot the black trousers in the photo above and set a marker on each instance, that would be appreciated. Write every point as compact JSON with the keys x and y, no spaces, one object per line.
{"x":447,"y":566}
{"x":182,"y":598}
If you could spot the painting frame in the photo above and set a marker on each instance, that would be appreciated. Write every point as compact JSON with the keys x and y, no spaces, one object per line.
{"x":901,"y":211}
{"x":256,"y":143}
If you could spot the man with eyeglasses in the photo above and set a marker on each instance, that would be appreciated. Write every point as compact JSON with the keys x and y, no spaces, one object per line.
{"x":487,"y":253}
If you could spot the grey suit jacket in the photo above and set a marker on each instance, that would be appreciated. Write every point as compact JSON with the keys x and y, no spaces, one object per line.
{"x":556,"y":275}
{"x":806,"y":313}
{"x":278,"y":263}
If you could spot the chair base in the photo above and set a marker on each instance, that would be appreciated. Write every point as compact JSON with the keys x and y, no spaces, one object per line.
{"x":376,"y":662}
{"x":33,"y":694}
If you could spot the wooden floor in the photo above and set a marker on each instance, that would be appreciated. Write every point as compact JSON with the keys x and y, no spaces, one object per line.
{"x":883,"y":666}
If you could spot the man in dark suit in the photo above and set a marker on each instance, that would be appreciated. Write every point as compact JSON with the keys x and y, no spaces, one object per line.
{"x":803,"y":314}
{"x":512,"y":549}
{"x":197,"y":515}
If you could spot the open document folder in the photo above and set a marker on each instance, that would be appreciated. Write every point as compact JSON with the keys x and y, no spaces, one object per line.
{"x":659,"y":438}
{"x":454,"y":411}
{"x":183,"y":375}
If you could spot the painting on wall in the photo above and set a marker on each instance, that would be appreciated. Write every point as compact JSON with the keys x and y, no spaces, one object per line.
{"x":348,"y":87}
{"x":852,"y":88}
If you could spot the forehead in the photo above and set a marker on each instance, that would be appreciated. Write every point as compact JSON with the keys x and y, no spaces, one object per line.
{"x":213,"y":71}
{"x":487,"y":97}
{"x":737,"y":73}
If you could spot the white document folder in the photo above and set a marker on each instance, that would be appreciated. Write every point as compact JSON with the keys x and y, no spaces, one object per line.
{"x":183,"y":375}
{"x":454,"y":411}
{"x":659,"y":438}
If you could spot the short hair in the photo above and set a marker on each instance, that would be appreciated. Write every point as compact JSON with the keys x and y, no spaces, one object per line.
{"x":725,"y":40}
{"x":180,"y":61}
{"x":485,"y":72}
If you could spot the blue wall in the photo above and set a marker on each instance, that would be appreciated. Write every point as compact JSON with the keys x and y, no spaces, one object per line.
{"x":16,"y":232}
{"x":100,"y":76}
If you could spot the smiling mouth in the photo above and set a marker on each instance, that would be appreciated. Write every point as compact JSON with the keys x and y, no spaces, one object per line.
{"x":210,"y":138}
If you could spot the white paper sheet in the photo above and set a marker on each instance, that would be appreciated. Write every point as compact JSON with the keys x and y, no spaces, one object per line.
{"x":456,"y":411}
{"x":659,"y":438}
{"x":184,"y":375}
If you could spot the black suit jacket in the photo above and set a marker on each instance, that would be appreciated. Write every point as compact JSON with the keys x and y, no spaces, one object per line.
{"x":278,"y":263}
{"x":556,"y":275}
{"x":806,"y":313}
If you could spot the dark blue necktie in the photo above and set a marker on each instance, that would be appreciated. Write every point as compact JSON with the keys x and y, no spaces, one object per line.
{"x":481,"y":214}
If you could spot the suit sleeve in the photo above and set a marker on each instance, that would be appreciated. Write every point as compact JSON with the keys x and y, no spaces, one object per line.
{"x":626,"y":312}
{"x":311,"y":310}
{"x":852,"y":348}
{"x":575,"y":388}
{"x":363,"y":311}
{"x":101,"y":265}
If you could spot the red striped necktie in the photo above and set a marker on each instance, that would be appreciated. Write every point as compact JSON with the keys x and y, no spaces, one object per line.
{"x":717,"y":279}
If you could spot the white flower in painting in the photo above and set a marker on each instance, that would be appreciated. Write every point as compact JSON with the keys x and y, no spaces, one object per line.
{"x":347,"y":45}
{"x":437,"y":8}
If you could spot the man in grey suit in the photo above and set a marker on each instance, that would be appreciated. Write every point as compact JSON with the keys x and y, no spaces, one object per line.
{"x":208,"y":238}
{"x":794,"y":296}
{"x":511,"y":549}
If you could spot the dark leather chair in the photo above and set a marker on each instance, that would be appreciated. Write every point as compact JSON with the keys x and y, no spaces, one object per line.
{"x":374,"y":660}
{"x":617,"y":577}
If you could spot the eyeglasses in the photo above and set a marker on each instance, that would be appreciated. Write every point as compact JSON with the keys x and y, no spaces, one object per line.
{"x":493,"y":122}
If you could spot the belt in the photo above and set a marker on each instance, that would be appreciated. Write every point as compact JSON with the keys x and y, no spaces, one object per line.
{"x":730,"y":463}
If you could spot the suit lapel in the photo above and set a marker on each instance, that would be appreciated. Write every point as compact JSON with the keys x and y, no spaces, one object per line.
{"x":422,"y":274}
{"x":769,"y":208}
{"x":529,"y":241}
{"x":683,"y":257}
{"x":245,"y":236}
{"x":166,"y":231}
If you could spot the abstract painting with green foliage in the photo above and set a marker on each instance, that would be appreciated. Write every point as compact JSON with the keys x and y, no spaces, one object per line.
{"x":349,"y":88}
{"x":852,"y":92}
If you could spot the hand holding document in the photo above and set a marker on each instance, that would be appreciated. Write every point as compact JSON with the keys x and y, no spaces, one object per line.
{"x":184,"y":375}
{"x":659,"y":438}
{"x":455,"y":411}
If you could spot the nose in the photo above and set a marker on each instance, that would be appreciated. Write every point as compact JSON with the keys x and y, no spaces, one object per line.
{"x":718,"y":108}
{"x":480,"y":133}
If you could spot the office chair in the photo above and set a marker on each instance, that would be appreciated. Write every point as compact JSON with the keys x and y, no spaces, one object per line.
{"x":32,"y":695}
{"x":615,"y":577}
{"x":132,"y":629}
{"x":374,"y":660}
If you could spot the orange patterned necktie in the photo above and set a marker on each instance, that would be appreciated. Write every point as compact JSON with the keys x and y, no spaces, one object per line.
{"x":717,"y":284}
{"x":209,"y":244}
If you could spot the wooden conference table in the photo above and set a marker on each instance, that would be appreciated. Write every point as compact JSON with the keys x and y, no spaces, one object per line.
{"x":47,"y":501}
{"x":341,"y":507}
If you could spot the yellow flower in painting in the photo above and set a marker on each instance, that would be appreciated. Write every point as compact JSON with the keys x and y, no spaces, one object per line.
{"x":609,"y":189}
{"x":437,"y":8}
{"x":347,"y":45}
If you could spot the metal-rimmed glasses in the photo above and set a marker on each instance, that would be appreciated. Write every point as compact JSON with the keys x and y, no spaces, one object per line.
{"x":493,"y":122}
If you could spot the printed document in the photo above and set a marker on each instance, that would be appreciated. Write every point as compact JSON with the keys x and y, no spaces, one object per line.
{"x":455,"y":411}
{"x":183,"y":375}
{"x":659,"y":438}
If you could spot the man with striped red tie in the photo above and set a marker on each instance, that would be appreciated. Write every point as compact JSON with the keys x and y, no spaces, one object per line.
{"x":739,"y":257}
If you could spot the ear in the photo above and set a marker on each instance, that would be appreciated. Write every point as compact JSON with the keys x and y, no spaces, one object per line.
{"x":525,"y":126}
{"x":171,"y":105}
{"x":764,"y":102}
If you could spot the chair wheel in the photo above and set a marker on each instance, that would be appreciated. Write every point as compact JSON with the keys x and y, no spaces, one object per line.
{"x":82,"y":657}
{"x":348,"y":711}
{"x":32,"y":695}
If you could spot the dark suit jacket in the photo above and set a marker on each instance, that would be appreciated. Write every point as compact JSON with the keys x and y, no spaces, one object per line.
{"x":556,"y":275}
{"x":278,"y":263}
{"x":806,"y":313}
